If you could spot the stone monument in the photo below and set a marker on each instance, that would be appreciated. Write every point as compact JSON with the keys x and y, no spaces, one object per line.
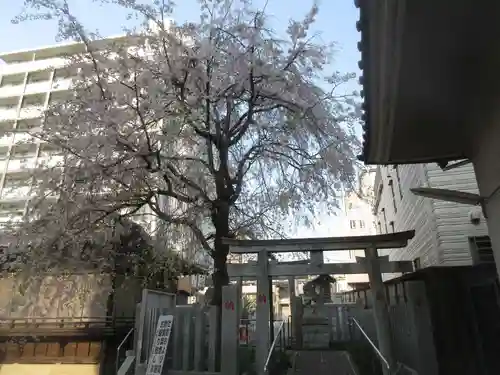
{"x":316,"y":324}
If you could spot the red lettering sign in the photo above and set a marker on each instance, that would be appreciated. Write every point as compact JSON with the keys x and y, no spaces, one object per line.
{"x":229,"y":305}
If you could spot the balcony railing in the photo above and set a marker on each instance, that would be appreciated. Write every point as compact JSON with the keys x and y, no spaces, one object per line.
{"x":37,"y":87}
{"x":31,"y":111}
{"x":62,"y":84}
{"x":8,"y":113}
{"x":8,"y":91}
{"x":15,"y":192}
{"x":28,"y":66}
{"x":6,"y":139}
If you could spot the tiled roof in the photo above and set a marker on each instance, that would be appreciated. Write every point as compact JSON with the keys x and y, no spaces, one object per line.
{"x":363,"y":47}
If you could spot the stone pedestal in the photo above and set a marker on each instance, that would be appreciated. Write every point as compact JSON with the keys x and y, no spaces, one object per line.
{"x":316,"y":327}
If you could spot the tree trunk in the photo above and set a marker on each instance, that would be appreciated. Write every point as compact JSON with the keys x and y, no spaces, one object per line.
{"x":110,"y":303}
{"x":220,"y":276}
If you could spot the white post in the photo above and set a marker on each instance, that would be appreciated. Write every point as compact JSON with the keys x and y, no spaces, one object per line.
{"x":239,"y":287}
{"x":291,"y":288}
{"x":230,"y":330}
{"x":380,"y":308}
{"x":263,"y":316}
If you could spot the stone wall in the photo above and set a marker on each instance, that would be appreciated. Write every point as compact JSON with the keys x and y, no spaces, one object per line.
{"x":59,"y":296}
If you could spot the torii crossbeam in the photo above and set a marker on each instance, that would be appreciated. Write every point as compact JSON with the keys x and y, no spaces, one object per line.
{"x":381,"y":241}
{"x":275,"y":270}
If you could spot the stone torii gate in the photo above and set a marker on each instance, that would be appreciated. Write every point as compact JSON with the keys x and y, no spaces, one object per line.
{"x":372,"y":264}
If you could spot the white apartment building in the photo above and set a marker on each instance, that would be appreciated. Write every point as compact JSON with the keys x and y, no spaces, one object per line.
{"x":359,"y":219}
{"x":358,"y":206}
{"x":446,"y":234}
{"x":29,"y":81}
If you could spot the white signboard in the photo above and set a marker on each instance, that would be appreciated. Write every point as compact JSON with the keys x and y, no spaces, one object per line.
{"x":160,"y":345}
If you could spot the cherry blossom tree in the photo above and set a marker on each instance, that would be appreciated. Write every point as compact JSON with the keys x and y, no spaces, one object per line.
{"x":219,"y":128}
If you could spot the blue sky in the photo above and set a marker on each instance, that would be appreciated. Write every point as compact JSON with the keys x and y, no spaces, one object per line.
{"x":336,"y":22}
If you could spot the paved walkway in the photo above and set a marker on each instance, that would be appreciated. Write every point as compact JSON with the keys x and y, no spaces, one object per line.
{"x":312,"y":362}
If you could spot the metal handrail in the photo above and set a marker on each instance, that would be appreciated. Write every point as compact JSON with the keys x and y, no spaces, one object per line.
{"x":120,"y":346}
{"x":386,"y":363}
{"x":280,"y":329}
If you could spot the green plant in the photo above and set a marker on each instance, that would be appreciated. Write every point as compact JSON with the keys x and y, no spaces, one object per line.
{"x":249,"y":306}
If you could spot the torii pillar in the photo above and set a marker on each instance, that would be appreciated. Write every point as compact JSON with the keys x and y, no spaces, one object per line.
{"x":263,"y":318}
{"x":380,"y":309}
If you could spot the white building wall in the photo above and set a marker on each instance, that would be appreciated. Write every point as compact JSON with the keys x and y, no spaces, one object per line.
{"x":485,"y":156}
{"x":358,"y":208}
{"x":397,"y":209}
{"x":452,"y":219}
{"x":442,"y":229}
{"x":24,"y":95}
{"x":359,"y":218}
{"x":30,"y":80}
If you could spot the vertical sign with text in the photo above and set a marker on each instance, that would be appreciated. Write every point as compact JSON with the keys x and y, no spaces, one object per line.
{"x":160,"y":345}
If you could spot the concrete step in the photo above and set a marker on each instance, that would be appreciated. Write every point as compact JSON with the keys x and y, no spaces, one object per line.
{"x":328,"y":362}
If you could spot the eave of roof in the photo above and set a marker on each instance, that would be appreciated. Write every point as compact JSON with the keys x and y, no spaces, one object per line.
{"x":364,"y":79}
{"x":376,"y":24}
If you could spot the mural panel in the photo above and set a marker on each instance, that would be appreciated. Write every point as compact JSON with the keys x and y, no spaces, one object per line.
{"x":55,"y":296}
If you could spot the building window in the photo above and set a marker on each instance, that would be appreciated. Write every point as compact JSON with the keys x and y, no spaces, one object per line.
{"x":29,"y":124}
{"x":353,"y":224}
{"x":65,"y":73}
{"x":39,"y":76}
{"x":12,"y":80}
{"x":481,"y":250}
{"x":391,"y":184}
{"x":361,"y":224}
{"x":385,"y":220}
{"x":399,"y":182}
{"x":9,"y":104}
{"x":33,"y":100}
{"x":58,"y":97}
{"x":6,"y":126}
{"x":416,"y":264}
{"x":391,"y":224}
{"x":16,"y":184}
{"x":4,"y":152}
{"x":48,"y":149}
{"x":23,"y":150}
